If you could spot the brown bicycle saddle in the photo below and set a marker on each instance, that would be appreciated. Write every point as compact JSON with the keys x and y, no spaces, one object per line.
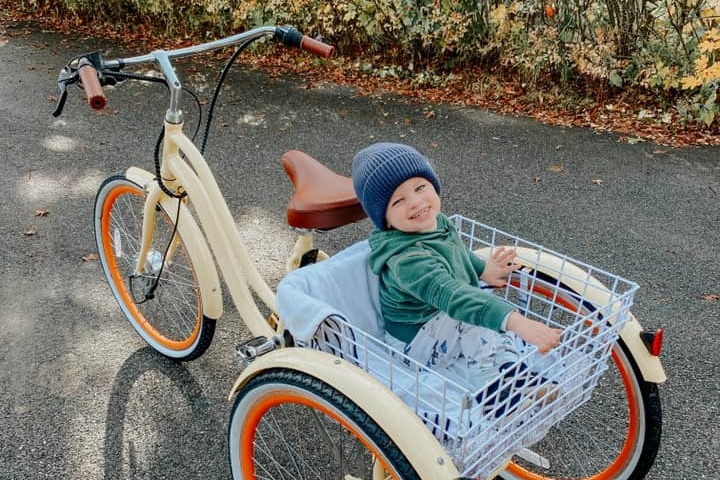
{"x":323,"y":199}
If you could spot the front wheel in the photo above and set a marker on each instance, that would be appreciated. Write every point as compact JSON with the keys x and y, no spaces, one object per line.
{"x":162,"y":301}
{"x":615,"y":435}
{"x":289,"y":425}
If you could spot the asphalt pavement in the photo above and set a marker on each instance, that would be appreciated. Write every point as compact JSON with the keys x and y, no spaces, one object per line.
{"x":82,"y":397}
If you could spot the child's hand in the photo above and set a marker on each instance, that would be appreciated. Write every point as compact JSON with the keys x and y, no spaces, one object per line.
{"x":543,"y":337}
{"x":499,"y":266}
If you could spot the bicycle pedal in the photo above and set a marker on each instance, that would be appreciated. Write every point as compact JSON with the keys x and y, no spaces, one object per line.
{"x":246,"y":352}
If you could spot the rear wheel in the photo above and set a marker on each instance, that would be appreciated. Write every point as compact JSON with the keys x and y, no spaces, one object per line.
{"x":162,"y":301}
{"x":615,"y":435}
{"x":289,"y":425}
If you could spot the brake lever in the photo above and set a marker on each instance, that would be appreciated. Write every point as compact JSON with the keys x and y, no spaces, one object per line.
{"x":67,"y":77}
{"x":70,"y":75}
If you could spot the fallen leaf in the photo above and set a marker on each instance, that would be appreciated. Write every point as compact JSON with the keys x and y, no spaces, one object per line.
{"x":711,"y":297}
{"x":407,"y":121}
{"x":430,"y":114}
{"x":630,"y":140}
{"x":550,"y":11}
{"x":434,"y":145}
{"x":536,"y":179}
{"x":597,"y":181}
{"x":90,"y":257}
{"x":41,"y":213}
{"x":557,"y":167}
{"x":29,"y":232}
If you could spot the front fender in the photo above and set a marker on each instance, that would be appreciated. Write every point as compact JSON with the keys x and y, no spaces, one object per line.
{"x":194,"y":240}
{"x":400,"y":423}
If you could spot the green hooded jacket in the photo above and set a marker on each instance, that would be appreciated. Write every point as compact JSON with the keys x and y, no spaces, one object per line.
{"x":424,"y":273}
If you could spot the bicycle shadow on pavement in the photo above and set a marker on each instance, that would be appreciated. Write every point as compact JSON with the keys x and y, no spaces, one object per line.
{"x":181,"y":439}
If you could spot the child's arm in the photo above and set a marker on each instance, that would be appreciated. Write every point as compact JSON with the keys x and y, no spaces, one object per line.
{"x":497,"y":269}
{"x":537,"y":333}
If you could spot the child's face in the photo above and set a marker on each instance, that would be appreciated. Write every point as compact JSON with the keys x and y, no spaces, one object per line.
{"x":413,"y":206}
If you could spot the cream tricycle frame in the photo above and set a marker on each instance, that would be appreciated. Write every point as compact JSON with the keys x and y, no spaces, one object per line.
{"x":322,"y":395}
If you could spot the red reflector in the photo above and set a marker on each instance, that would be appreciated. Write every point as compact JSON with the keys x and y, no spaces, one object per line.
{"x":653,"y":341}
{"x":657,"y":342}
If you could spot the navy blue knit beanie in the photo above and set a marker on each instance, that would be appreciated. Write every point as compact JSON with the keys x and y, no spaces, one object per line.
{"x":379,"y":169}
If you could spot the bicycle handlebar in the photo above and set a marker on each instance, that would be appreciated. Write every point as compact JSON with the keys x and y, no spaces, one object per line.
{"x":93,"y":71}
{"x":91,"y":84}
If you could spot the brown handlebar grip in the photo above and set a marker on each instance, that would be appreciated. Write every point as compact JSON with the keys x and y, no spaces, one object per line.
{"x":316,"y":47}
{"x":91,"y":85}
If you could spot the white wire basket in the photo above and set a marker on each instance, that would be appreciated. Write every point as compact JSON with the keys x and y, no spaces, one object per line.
{"x":483,"y":429}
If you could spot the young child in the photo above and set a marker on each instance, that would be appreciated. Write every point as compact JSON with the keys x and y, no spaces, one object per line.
{"x":432,"y":307}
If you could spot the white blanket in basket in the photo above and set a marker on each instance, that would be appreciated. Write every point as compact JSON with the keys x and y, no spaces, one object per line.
{"x":343,"y":285}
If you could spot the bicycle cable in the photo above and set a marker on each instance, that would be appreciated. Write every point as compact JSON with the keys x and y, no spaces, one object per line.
{"x":151,"y":291}
{"x":216,"y":93}
{"x":158,"y":176}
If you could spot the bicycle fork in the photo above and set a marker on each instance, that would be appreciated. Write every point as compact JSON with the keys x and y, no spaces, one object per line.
{"x":149,"y":261}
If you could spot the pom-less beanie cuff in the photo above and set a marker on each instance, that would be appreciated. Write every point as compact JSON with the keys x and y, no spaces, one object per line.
{"x":380,"y":168}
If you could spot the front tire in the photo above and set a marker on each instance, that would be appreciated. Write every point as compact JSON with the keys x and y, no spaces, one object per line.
{"x":165,"y":311}
{"x":289,"y":425}
{"x":615,"y":435}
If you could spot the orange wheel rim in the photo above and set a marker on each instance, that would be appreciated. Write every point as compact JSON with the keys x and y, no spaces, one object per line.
{"x":118,"y":281}
{"x":253,"y":418}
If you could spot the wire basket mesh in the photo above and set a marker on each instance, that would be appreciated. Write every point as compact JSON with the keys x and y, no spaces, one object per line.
{"x":483,"y":429}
